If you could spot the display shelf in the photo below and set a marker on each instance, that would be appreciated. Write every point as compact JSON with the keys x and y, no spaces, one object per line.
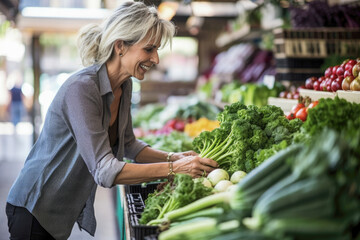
{"x":285,"y":104}
{"x":159,"y":91}
{"x":350,"y":96}
{"x":316,"y":95}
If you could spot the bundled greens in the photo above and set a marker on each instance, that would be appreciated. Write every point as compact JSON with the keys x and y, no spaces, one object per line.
{"x":178,"y":193}
{"x":243,"y":132}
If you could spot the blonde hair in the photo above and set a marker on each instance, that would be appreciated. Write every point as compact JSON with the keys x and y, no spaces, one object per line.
{"x":131,"y":23}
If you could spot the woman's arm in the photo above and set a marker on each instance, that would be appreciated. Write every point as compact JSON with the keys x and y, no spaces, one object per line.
{"x":138,"y":173}
{"x":151,"y":155}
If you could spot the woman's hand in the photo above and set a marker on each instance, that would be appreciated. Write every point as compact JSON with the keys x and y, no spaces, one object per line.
{"x":194,"y":166}
{"x":179,"y":155}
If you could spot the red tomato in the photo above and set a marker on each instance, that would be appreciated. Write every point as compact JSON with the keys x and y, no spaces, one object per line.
{"x":290,"y":116}
{"x":302,"y":114}
{"x":296,"y":108}
{"x":313,"y":104}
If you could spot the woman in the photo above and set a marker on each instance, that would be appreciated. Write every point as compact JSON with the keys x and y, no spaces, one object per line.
{"x":88,"y":131}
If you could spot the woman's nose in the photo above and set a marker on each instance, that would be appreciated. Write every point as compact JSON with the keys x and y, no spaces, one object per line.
{"x":155,"y":58}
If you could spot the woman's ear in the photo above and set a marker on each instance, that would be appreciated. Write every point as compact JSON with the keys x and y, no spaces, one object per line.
{"x":119,"y":47}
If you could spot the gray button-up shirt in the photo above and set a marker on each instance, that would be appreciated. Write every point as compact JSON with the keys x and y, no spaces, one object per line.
{"x":73,"y":154}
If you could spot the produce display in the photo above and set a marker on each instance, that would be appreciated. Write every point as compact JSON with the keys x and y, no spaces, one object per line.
{"x":304,"y":188}
{"x":308,"y":190}
{"x":337,"y":114}
{"x":244,"y":131}
{"x":340,"y":77}
{"x":163,"y":119}
{"x":250,"y":93}
{"x":304,"y":192}
{"x":280,"y":177}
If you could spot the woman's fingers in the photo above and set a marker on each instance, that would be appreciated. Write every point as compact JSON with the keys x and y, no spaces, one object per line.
{"x":181,"y":155}
{"x":190,"y":153}
{"x":195,"y":166}
{"x":209,"y":162}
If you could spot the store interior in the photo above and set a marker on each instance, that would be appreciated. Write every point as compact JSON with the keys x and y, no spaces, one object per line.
{"x":253,"y":52}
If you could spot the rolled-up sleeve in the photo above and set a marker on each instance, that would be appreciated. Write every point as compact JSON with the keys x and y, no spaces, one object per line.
{"x":107,"y":170}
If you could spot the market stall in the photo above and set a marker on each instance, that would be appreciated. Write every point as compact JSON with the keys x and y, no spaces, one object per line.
{"x":285,"y":135}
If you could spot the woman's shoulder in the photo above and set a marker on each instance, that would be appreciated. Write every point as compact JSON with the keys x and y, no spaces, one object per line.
{"x":83,"y":78}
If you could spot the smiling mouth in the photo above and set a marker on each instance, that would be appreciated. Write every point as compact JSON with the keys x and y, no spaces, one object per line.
{"x":146,"y":68}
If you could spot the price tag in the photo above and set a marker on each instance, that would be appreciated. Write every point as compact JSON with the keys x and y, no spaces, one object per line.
{"x":269,"y":81}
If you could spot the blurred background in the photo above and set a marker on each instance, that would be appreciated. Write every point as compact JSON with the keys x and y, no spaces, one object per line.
{"x":217,"y":43}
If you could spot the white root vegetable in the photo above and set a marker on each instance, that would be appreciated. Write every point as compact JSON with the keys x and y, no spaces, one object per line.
{"x":217,"y":175}
{"x":223,"y":185}
{"x":237,"y":176}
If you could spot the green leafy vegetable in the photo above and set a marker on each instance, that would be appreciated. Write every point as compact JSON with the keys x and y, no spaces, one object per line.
{"x":178,"y":193}
{"x":243,"y":132}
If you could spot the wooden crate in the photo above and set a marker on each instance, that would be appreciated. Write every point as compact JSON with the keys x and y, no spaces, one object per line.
{"x":316,"y":42}
{"x":316,"y":95}
{"x":350,"y":96}
{"x":285,"y":104}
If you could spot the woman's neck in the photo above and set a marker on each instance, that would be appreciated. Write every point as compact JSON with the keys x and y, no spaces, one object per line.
{"x":116,"y":77}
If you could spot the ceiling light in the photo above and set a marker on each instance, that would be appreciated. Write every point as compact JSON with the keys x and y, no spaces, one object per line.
{"x":167,"y":10}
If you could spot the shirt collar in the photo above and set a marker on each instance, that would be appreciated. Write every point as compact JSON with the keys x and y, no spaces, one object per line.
{"x":104,"y":81}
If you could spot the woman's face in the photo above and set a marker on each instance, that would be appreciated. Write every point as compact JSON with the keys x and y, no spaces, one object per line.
{"x":139,"y":58}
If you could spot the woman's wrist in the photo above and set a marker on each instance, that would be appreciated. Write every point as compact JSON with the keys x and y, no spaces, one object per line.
{"x":168,"y":157}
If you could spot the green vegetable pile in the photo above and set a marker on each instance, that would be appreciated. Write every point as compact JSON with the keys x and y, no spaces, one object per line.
{"x":143,"y":116}
{"x":244,"y":131}
{"x":250,"y":93}
{"x":174,"y":142}
{"x":175,"y":194}
{"x":155,"y":115}
{"x":303,"y":192}
{"x":334,"y":113}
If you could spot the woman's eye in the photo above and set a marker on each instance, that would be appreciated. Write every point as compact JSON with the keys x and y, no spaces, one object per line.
{"x":149,"y":49}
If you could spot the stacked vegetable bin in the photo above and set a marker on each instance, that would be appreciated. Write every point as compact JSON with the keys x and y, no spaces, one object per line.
{"x":300,"y":53}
